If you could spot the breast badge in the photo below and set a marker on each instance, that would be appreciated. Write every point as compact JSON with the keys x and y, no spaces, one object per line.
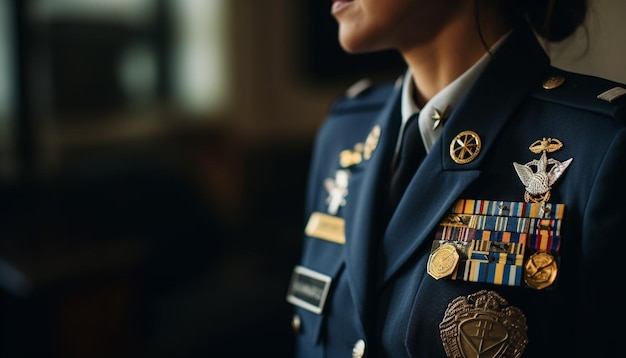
{"x":483,"y":325}
{"x":337,"y":189}
{"x":538,"y":182}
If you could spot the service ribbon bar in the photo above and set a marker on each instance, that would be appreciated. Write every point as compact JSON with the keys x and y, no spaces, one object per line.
{"x":544,"y":242}
{"x":504,"y":247}
{"x":501,"y":223}
{"x":497,"y":257}
{"x":545,"y":227}
{"x":509,"y":208}
{"x":450,"y":233}
{"x":496,"y":273}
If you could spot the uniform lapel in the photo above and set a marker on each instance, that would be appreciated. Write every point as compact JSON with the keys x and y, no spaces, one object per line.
{"x":514,"y":71}
{"x":364,"y":219}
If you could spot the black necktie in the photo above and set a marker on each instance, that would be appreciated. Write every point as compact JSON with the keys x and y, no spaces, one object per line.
{"x":409,"y":157}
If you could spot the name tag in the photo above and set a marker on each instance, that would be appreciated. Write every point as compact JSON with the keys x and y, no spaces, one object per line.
{"x":326,"y":227}
{"x":308,"y":289}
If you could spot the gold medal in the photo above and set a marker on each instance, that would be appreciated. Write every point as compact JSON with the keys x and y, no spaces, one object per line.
{"x":443,"y":261}
{"x":540,"y":270}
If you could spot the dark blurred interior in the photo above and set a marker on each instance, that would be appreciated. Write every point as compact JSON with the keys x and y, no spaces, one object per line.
{"x":153,"y":157}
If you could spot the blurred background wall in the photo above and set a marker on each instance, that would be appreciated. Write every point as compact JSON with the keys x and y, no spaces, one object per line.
{"x":153,"y":157}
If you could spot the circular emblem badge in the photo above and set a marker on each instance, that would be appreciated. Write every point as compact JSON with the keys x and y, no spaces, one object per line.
{"x":540,"y":270}
{"x":465,"y":147}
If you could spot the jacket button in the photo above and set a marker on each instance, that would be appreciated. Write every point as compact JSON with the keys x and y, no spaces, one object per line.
{"x":296,"y":323}
{"x":553,"y":82}
{"x":358,"y":351}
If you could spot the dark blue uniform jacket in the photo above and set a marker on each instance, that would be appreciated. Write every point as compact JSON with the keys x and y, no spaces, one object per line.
{"x":381,"y":293}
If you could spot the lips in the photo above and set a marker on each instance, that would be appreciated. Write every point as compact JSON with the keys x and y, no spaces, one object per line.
{"x":339,"y":5}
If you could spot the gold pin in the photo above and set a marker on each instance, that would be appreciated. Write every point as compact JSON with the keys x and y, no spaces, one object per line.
{"x":439,"y":117}
{"x":326,"y":227}
{"x":549,"y":145}
{"x":371,"y":142}
{"x":348,"y":158}
{"x":465,"y":147}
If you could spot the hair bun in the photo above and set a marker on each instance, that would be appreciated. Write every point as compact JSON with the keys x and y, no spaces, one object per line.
{"x":555,"y":20}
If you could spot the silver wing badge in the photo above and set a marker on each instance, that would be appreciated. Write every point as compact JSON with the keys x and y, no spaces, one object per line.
{"x":547,"y":171}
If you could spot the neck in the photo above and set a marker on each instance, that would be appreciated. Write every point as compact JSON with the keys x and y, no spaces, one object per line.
{"x":436,"y":63}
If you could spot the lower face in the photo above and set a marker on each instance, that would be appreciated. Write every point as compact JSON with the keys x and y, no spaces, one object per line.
{"x":374,"y":25}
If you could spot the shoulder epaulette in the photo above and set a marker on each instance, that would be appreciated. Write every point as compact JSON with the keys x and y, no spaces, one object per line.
{"x":584,"y":92}
{"x":363,"y":95}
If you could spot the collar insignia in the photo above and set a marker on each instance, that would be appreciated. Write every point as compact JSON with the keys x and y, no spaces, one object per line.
{"x":439,"y":117}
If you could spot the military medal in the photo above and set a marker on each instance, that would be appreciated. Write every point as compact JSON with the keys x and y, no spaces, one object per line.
{"x":483,"y":324}
{"x":442,"y":262}
{"x":539,"y":182}
{"x":540,"y":270}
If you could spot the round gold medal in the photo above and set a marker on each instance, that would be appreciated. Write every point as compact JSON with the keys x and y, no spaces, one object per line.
{"x":540,"y":270}
{"x":443,"y":261}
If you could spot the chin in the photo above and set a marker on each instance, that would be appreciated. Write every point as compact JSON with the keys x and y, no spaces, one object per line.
{"x":356,"y":43}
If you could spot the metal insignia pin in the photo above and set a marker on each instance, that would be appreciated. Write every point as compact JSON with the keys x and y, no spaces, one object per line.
{"x":465,"y":147}
{"x":371,"y":142}
{"x":337,"y":189}
{"x":483,"y":324}
{"x":348,"y":158}
{"x":547,"y":171}
{"x":439,"y":117}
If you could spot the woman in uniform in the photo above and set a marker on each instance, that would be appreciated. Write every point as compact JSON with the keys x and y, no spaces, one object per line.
{"x":474,"y":208}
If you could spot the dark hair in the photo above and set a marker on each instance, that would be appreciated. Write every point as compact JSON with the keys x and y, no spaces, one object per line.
{"x":553,"y":20}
